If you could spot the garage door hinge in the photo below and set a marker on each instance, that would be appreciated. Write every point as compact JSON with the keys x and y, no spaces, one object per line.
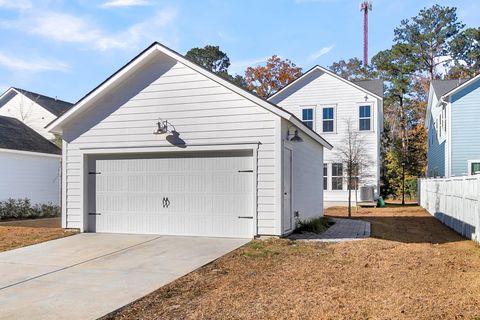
{"x":245,"y":217}
{"x":245,"y":170}
{"x":94,"y":214}
{"x":94,"y":173}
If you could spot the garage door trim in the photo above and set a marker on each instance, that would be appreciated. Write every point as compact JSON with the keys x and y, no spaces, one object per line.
{"x":84,"y":153}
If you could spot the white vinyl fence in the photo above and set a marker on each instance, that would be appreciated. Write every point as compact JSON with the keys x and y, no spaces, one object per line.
{"x":454,"y":201}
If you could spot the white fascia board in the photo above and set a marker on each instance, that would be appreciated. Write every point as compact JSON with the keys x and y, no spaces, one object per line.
{"x":466,"y":84}
{"x":56,"y":126}
{"x":322,"y":69}
{"x":31,"y":153}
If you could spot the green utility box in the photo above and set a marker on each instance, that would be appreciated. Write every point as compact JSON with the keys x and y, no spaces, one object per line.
{"x":380,"y":202}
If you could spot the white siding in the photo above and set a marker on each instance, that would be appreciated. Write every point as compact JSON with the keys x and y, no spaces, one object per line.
{"x":323,"y":90}
{"x":201,"y":110}
{"x":33,"y":115}
{"x":307,"y":175}
{"x":29,"y":175}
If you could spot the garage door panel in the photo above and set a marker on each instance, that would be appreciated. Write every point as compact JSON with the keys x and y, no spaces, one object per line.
{"x":206,"y":195}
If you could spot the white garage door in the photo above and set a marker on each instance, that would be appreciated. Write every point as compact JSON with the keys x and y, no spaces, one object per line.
{"x":200,"y":194}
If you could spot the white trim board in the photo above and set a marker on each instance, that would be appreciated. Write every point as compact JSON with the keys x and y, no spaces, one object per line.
{"x":31,"y":153}
{"x":319,"y":68}
{"x":84,"y":153}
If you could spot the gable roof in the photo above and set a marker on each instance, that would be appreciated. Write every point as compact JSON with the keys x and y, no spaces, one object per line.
{"x":52,"y":105}
{"x":15,"y":135}
{"x":369,"y":88}
{"x":123,"y":72}
{"x":443,"y":89}
{"x":373,"y":85}
{"x":440,"y":87}
{"x":462,"y":84}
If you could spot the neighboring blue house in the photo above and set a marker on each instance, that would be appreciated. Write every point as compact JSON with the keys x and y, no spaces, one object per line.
{"x":453,"y":123}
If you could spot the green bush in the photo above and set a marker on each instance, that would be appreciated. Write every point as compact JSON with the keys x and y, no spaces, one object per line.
{"x":316,"y":225}
{"x":23,"y":209}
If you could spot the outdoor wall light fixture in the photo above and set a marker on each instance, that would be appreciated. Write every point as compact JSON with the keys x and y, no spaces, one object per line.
{"x":294,"y":137}
{"x":366,"y":98}
{"x":162,"y":127}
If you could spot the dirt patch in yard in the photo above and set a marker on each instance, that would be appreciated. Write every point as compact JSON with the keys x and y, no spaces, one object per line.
{"x":16,"y":237}
{"x":412,"y":268}
{"x":34,"y":223}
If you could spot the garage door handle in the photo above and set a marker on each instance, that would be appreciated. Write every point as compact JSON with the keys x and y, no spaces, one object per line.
{"x":94,"y":214}
{"x":245,"y":217}
{"x":166,"y":202}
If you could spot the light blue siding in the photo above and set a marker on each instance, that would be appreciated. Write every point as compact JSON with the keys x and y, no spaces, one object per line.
{"x":436,"y":153}
{"x":465,"y":128}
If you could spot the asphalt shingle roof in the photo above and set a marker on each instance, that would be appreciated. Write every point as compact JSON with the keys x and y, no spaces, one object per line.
{"x":55,"y":106}
{"x":374,"y":86}
{"x":440,"y":87}
{"x":15,"y":135}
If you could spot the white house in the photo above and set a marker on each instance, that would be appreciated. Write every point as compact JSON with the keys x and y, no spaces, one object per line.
{"x":164,"y":146}
{"x":29,"y":164}
{"x":326,"y":103}
{"x":33,"y":109}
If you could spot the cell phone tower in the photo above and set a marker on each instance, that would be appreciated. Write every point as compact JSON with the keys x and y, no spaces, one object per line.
{"x":365,"y":7}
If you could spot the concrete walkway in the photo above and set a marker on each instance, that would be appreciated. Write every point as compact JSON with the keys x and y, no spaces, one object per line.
{"x":342,"y":230}
{"x":89,"y":275}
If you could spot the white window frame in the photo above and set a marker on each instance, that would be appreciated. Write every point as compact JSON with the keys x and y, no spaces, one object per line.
{"x":470,"y":162}
{"x":314,"y":115}
{"x":334,"y":106}
{"x":332,"y":176}
{"x":326,"y":165}
{"x":372,"y":115}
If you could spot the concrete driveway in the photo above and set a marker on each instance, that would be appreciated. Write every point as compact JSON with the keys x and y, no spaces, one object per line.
{"x":89,"y":275}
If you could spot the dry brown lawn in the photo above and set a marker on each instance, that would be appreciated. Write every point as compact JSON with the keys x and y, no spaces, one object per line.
{"x":12,"y":237}
{"x":412,"y":268}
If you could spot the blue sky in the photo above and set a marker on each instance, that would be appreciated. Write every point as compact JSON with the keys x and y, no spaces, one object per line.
{"x":66,"y":48}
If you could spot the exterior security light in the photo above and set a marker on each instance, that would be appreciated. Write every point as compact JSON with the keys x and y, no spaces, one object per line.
{"x":296,"y":137}
{"x":162,"y":127}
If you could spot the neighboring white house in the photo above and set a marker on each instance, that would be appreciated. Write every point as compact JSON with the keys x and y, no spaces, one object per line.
{"x":164,"y":146}
{"x":452,"y":121}
{"x":326,"y":103}
{"x":29,"y":164}
{"x":33,"y":109}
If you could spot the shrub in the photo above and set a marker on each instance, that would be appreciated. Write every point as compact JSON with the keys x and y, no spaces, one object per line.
{"x":23,"y":209}
{"x":316,"y":225}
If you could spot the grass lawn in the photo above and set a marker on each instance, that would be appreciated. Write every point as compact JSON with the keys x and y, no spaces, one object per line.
{"x":413,"y":267}
{"x":12,"y":237}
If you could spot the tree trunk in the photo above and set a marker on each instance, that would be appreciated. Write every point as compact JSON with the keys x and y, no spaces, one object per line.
{"x":349,"y":201}
{"x":403,"y":183}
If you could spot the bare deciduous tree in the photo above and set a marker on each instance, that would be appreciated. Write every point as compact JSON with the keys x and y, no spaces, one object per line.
{"x":353,"y":155}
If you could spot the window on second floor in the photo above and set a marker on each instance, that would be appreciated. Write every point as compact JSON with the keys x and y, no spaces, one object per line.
{"x":307,"y":117}
{"x":328,"y":119}
{"x":365,"y":118}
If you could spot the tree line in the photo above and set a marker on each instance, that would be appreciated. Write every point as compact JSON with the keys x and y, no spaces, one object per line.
{"x":434,"y":44}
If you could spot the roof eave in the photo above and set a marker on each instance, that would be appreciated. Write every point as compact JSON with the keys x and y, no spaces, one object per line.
{"x":56,"y":126}
{"x":317,"y":67}
{"x":460,"y":87}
